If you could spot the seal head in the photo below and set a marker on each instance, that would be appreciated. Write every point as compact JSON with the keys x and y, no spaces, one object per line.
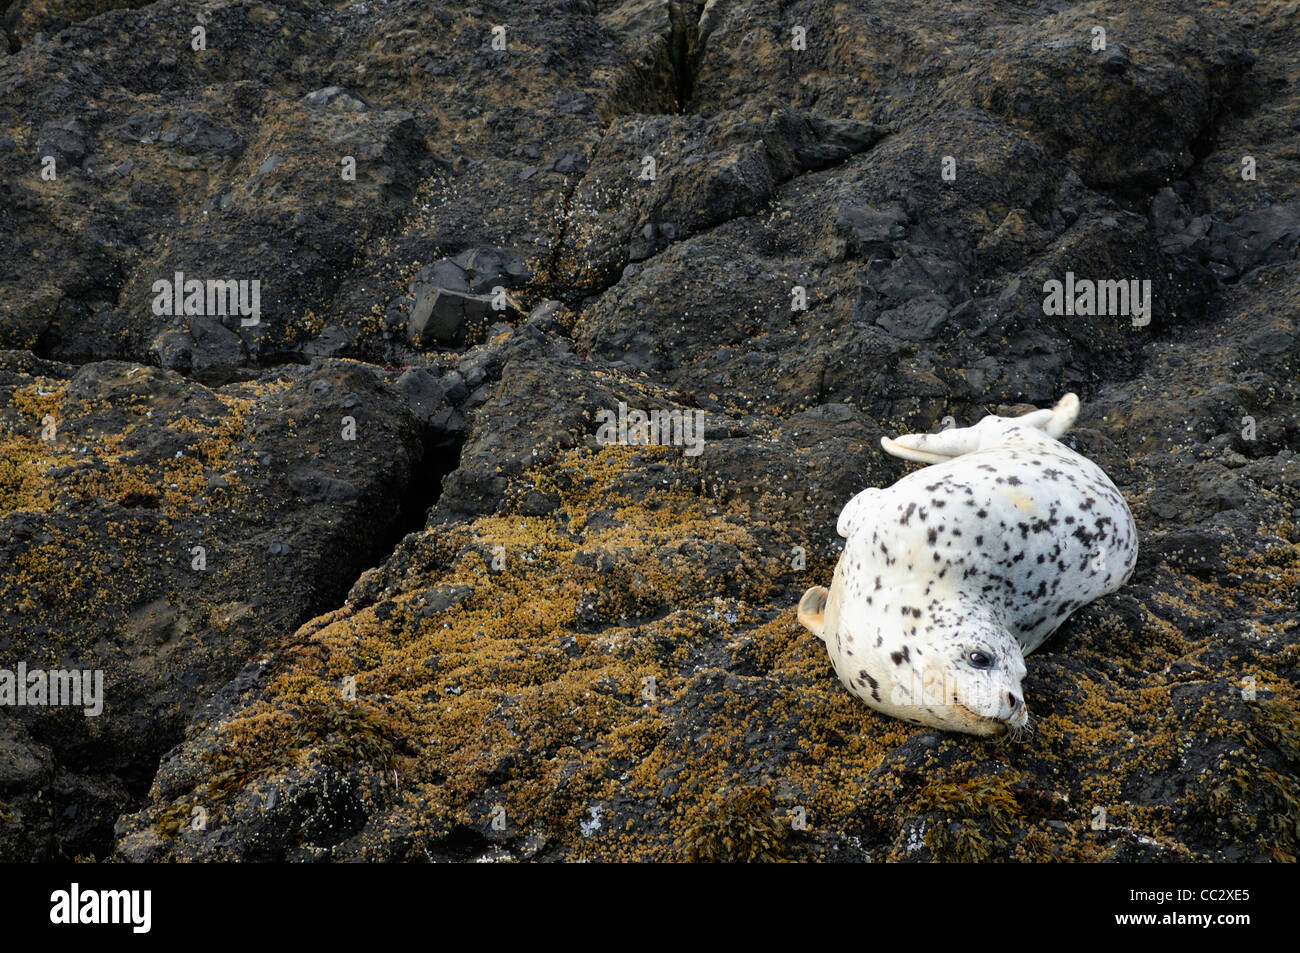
{"x":950,"y":665}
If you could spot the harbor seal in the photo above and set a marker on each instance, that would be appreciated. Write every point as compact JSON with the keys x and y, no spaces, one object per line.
{"x":956,"y":572}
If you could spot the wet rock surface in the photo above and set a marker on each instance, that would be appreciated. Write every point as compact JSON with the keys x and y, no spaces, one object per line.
{"x":435,"y":617}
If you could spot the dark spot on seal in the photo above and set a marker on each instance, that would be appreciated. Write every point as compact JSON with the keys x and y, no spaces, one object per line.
{"x":899,"y":657}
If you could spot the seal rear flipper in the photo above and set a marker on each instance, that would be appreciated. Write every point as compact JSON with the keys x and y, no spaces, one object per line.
{"x":933,"y":447}
{"x":987,"y":434}
{"x":1054,"y":422}
{"x":812,"y":610}
{"x":1064,"y":414}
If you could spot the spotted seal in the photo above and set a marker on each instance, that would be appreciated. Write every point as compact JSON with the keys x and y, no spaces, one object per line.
{"x":956,"y":572}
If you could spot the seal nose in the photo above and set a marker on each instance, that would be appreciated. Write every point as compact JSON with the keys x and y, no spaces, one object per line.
{"x":1015,"y":702}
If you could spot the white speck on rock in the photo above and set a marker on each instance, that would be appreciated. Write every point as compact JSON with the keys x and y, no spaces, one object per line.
{"x":590,"y":827}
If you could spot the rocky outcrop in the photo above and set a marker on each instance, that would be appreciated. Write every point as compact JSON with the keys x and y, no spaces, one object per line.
{"x":440,"y":616}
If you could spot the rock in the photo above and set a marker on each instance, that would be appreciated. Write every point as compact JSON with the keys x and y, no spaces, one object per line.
{"x":1262,"y":237}
{"x":333,"y":341}
{"x":918,"y":320}
{"x":66,"y":141}
{"x":195,"y":133}
{"x":171,"y":577}
{"x":24,"y":764}
{"x":442,"y":274}
{"x":207,"y":349}
{"x":440,"y":316}
{"x":425,"y":393}
{"x":454,"y":387}
{"x":314,"y":485}
{"x":488,"y":267}
{"x":567,"y":162}
{"x":784,"y":255}
{"x":869,"y":228}
{"x":442,"y":598}
{"x":335,"y":96}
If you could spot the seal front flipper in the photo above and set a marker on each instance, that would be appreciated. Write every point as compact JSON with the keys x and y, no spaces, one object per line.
{"x":812,"y":610}
{"x":858,"y":510}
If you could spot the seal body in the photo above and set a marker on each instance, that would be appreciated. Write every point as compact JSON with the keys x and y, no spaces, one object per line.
{"x":956,"y":572}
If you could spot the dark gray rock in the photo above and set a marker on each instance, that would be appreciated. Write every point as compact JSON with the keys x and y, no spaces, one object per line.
{"x":1263,"y":237}
{"x":440,"y":316}
{"x":917,"y":320}
{"x":489,"y":267}
{"x":314,"y":484}
{"x":335,"y":96}
{"x":66,"y":140}
{"x":206,"y":349}
{"x":195,"y":133}
{"x":871,"y":228}
{"x":425,"y":393}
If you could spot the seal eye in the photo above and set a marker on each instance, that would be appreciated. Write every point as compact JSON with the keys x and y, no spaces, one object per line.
{"x":980,"y":660}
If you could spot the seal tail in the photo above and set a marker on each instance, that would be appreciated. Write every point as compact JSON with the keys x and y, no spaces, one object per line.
{"x":812,"y":610}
